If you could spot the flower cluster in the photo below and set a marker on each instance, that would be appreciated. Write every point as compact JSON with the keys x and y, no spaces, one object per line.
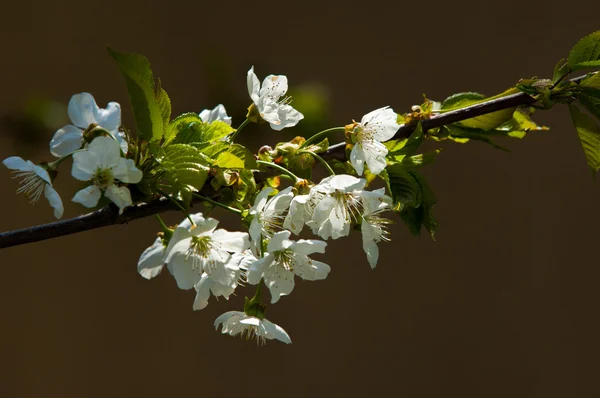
{"x":177,"y":158}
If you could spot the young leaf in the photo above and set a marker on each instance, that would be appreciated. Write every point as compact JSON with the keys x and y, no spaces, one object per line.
{"x":236,"y":156}
{"x":589,"y":135}
{"x":139,"y":79}
{"x":560,"y":70}
{"x":483,"y":122}
{"x":179,"y":123}
{"x":200,"y":132}
{"x":586,"y":53}
{"x":186,"y":170}
{"x":407,"y":146}
{"x":164,"y":104}
{"x":404,"y":188}
{"x":416,"y":217}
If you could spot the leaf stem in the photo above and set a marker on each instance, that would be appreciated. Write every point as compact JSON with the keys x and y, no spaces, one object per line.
{"x":321,"y":160}
{"x":236,"y":132}
{"x":278,"y":167}
{"x":321,"y":134}
{"x":215,"y":203}
{"x":166,"y":230}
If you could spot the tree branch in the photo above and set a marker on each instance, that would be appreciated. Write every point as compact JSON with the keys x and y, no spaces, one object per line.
{"x":109,"y":215}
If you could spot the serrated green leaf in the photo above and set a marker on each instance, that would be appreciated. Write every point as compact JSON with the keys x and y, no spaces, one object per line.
{"x":416,"y":217}
{"x":483,"y":122}
{"x":589,"y":98}
{"x":407,"y":146}
{"x":139,"y":79}
{"x":178,"y":124}
{"x":586,"y":53}
{"x":463,"y":134}
{"x":592,"y":81}
{"x":420,"y":159}
{"x":211,"y":149}
{"x":461,"y":100}
{"x":589,"y":135}
{"x":560,"y":70}
{"x":185,"y":168}
{"x":164,"y":104}
{"x":215,"y":131}
{"x":246,"y":185}
{"x":404,"y":188}
{"x":236,"y":157}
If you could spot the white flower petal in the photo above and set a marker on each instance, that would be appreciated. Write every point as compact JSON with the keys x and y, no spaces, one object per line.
{"x":277,"y":332}
{"x":151,"y":261}
{"x":88,"y":197}
{"x":279,"y":241}
{"x":347,"y":183}
{"x":286,"y":117}
{"x":203,"y":227}
{"x":307,"y":247}
{"x":82,"y":110}
{"x":66,"y":140}
{"x":119,"y":195}
{"x":109,"y":118}
{"x":369,"y":245}
{"x":256,"y":269}
{"x":375,"y":153}
{"x":261,"y":200}
{"x":357,"y":159}
{"x":218,"y":113}
{"x":107,"y":151}
{"x":54,"y":200}
{"x":180,"y":265}
{"x":17,"y":163}
{"x":279,"y":281}
{"x":202,"y":292}
{"x":84,"y":166}
{"x":274,"y":87}
{"x":253,"y":85}
{"x":127,"y":172}
{"x":234,"y":242}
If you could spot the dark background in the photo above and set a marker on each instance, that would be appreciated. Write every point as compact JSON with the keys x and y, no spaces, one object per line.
{"x":503,"y":304}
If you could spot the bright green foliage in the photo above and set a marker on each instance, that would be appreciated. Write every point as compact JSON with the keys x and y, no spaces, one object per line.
{"x":586,"y":53}
{"x":398,"y":149}
{"x":589,"y":134}
{"x":179,"y":123}
{"x":560,"y":70}
{"x":236,"y":156}
{"x":412,"y":197}
{"x":483,"y":122}
{"x":149,"y":114}
{"x":164,"y":104}
{"x":589,"y":94}
{"x":200,"y":132}
{"x":185,"y":170}
{"x":420,"y":159}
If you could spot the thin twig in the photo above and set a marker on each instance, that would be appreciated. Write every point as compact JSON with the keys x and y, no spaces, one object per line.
{"x":109,"y":215}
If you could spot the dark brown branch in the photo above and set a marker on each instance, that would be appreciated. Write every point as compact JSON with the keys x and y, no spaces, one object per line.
{"x":109,"y":215}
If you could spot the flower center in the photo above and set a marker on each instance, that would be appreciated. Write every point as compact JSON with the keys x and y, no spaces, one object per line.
{"x":200,"y":250}
{"x":285,"y":258}
{"x":379,"y":226}
{"x":103,"y":177}
{"x":364,"y":133}
{"x":31,"y":185}
{"x":347,"y":204}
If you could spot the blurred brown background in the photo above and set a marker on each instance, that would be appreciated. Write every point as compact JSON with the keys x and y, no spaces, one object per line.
{"x":503,"y":304}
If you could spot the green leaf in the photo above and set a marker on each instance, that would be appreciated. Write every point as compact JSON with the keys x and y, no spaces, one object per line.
{"x":185,"y":168}
{"x":139,"y":79}
{"x":589,"y":98}
{"x":589,"y":135}
{"x":560,"y":70}
{"x":592,"y":81}
{"x":420,"y":159}
{"x":402,"y":185}
{"x":164,"y":104}
{"x":407,"y":146}
{"x":416,"y":217}
{"x":236,"y":156}
{"x":200,"y":132}
{"x":483,"y":122}
{"x":178,"y":124}
{"x":586,"y":53}
{"x":463,"y":134}
{"x":211,"y":149}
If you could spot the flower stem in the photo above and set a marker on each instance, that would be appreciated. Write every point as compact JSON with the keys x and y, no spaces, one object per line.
{"x":278,"y":167}
{"x":54,"y":165}
{"x":235,"y":133}
{"x":179,"y":206}
{"x":166,"y":230}
{"x":321,"y":160}
{"x":321,"y":134}
{"x":215,"y":203}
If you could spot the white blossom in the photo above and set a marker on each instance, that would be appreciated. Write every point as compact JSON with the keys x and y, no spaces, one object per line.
{"x":34,"y":180}
{"x":198,"y":248}
{"x":274,"y":109}
{"x":103,"y":165}
{"x":268,"y":213}
{"x":84,"y":112}
{"x":152,"y":260}
{"x":375,"y":127}
{"x":237,"y":266}
{"x":340,"y":207}
{"x":373,"y":226}
{"x":236,"y":322}
{"x":286,"y":258}
{"x":218,"y":113}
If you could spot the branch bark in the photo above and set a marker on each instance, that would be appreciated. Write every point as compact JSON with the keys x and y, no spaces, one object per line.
{"x":109,"y":215}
